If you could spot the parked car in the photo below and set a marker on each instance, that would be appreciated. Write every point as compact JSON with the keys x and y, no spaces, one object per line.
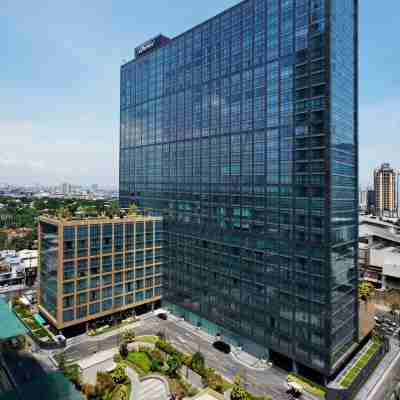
{"x":222,"y":346}
{"x":163,"y":316}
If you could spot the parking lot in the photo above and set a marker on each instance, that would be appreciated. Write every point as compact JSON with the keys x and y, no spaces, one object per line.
{"x":387,"y":324}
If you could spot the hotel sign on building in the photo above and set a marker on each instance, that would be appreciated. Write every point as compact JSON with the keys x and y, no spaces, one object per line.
{"x":151,"y":44}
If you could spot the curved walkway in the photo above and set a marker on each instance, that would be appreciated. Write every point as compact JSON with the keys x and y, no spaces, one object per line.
{"x":135,"y":384}
{"x":152,"y":387}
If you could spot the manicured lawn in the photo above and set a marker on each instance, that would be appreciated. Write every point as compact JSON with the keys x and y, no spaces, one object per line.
{"x":141,"y":360}
{"x":147,"y":339}
{"x":359,"y":365}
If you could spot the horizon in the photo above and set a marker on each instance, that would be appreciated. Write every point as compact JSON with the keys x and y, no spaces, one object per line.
{"x":60,"y":117}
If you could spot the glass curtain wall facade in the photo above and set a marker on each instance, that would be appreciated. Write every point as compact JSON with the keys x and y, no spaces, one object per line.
{"x":92,"y":269}
{"x":49,"y":252}
{"x":242,"y":132}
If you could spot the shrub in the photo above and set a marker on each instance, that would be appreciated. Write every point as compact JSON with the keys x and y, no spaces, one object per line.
{"x":88,"y":390}
{"x":72,"y":372}
{"x":119,"y":375}
{"x":238,"y":393}
{"x":105,"y":383}
{"x":166,"y":347}
{"x":213,"y":380}
{"x":174,"y":364}
{"x":197,"y":363}
{"x":156,"y":366}
{"x":156,"y":355}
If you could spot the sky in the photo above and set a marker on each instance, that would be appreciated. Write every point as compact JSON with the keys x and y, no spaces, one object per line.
{"x":59,"y":82}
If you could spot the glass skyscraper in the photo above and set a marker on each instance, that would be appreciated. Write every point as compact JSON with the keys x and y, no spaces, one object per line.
{"x":243,"y":133}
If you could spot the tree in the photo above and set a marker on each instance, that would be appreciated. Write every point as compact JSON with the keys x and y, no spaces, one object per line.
{"x":174,"y":364}
{"x":123,"y":350}
{"x":198,"y":363}
{"x":365,"y":290}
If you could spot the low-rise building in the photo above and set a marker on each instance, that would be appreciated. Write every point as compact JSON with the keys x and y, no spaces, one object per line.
{"x":18,"y":268}
{"x":98,"y":268}
{"x":379,"y":253}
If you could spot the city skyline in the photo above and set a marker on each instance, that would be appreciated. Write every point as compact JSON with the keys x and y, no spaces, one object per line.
{"x":72,"y":102}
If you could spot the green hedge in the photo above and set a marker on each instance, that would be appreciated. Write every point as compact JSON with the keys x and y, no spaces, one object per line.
{"x":359,"y":365}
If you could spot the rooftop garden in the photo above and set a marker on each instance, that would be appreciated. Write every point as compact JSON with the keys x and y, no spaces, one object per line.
{"x":25,"y":315}
{"x":72,"y":212}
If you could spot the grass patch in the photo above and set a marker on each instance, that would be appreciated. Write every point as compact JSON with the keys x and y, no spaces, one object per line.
{"x":147,"y":339}
{"x":308,"y":385}
{"x":141,"y":360}
{"x":359,"y":365}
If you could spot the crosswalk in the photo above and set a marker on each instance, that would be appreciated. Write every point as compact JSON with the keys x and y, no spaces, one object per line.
{"x":153,"y":389}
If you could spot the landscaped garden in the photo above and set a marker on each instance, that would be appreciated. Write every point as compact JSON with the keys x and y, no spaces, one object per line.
{"x":150,"y":356}
{"x":25,"y":315}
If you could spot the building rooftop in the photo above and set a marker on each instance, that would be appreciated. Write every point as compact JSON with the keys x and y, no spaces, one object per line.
{"x":82,"y":217}
{"x":381,"y":229}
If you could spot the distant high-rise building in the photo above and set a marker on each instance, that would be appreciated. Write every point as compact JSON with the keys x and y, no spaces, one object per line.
{"x":370,"y":200}
{"x":66,"y":188}
{"x":363,"y":199}
{"x":386,"y":191}
{"x":95,"y":187}
{"x":242,"y":132}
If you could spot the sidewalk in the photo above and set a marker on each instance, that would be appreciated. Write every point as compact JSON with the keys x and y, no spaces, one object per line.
{"x":103,"y":361}
{"x":85,"y":337}
{"x":249,"y":360}
{"x":240,"y":356}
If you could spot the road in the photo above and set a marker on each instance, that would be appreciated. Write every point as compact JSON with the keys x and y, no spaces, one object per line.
{"x":260,"y":383}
